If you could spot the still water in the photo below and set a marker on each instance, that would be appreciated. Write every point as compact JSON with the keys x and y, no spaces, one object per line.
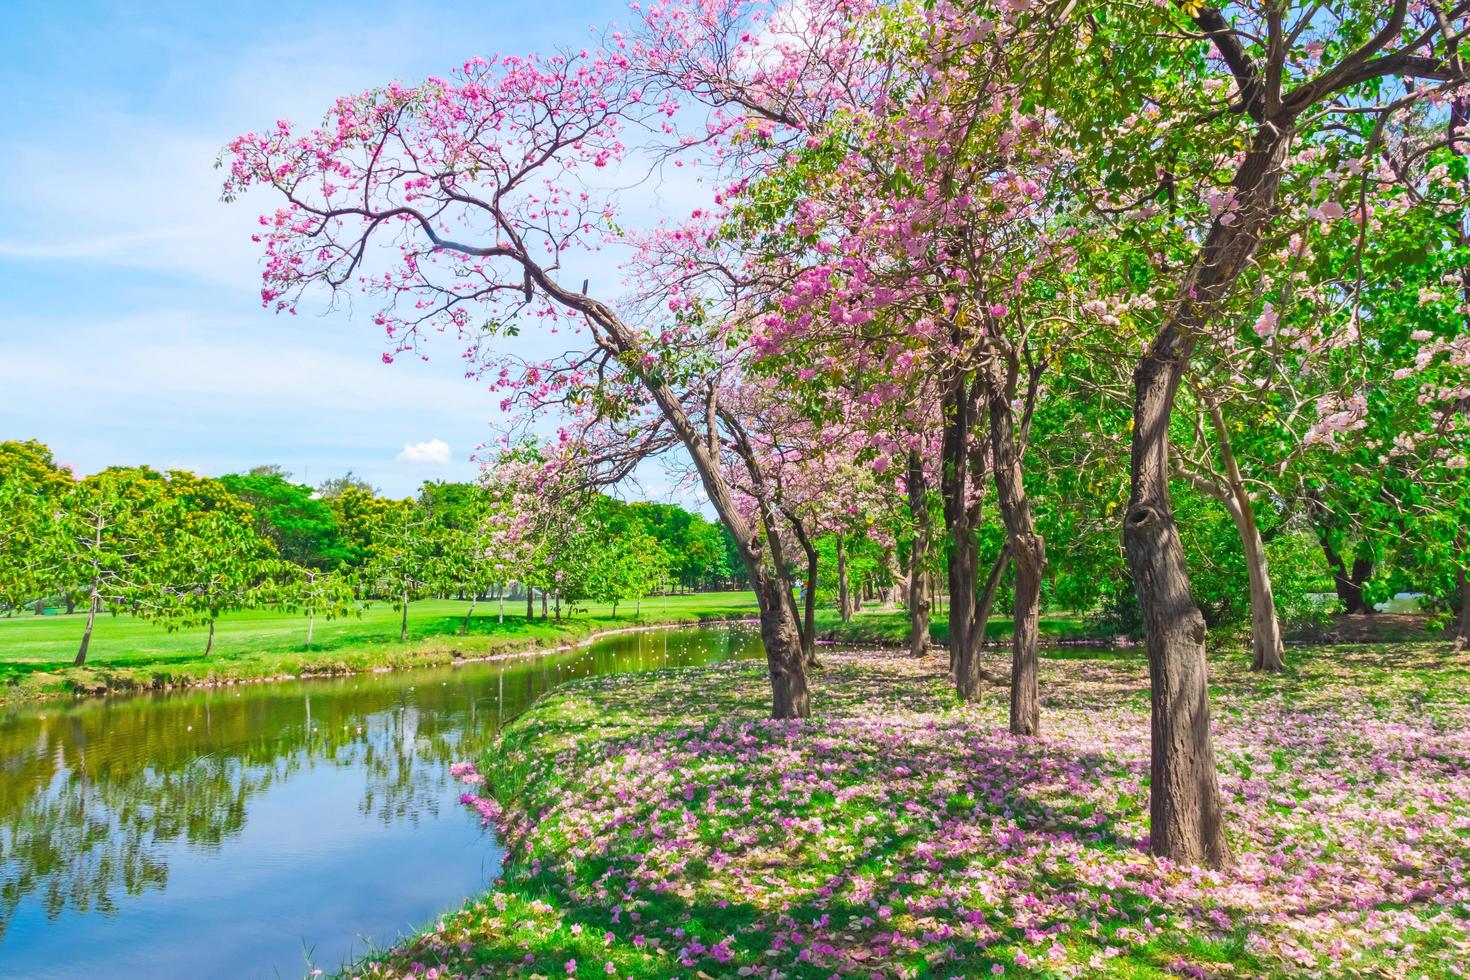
{"x":268,"y":829}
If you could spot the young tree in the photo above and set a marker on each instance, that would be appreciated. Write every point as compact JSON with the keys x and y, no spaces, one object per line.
{"x":212,"y":558}
{"x":32,"y":487}
{"x":405,"y":559}
{"x":313,"y":591}
{"x":111,"y":539}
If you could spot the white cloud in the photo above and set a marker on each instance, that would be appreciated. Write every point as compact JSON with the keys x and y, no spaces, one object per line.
{"x":435,"y":451}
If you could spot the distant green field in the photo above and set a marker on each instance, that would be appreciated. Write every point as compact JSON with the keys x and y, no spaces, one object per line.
{"x":36,"y":651}
{"x":128,"y":654}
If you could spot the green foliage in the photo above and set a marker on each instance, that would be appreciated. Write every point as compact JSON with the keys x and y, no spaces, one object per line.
{"x":292,"y":517}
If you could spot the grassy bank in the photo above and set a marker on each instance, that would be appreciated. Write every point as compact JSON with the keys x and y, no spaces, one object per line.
{"x":129,"y":654}
{"x":659,"y":825}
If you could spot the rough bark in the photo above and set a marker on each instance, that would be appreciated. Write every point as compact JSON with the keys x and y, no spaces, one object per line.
{"x":1028,"y":551}
{"x":1184,"y":792}
{"x":963,"y":467}
{"x":919,"y":602}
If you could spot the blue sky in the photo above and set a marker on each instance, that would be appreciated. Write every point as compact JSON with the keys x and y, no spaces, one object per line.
{"x":129,"y":300}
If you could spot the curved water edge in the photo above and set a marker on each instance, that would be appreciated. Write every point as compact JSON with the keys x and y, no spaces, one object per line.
{"x":266,"y":829}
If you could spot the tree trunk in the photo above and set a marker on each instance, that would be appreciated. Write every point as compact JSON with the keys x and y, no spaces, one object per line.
{"x":310,"y":625}
{"x":1462,"y":634}
{"x":500,"y":602}
{"x":403,"y":623}
{"x":94,"y":599}
{"x":71,"y":602}
{"x":987,"y":594}
{"x":543,"y":604}
{"x":464,"y":627}
{"x":962,"y":468}
{"x":1267,"y":651}
{"x":918,"y":492}
{"x":209,"y":644}
{"x":530,"y":604}
{"x":1184,"y":793}
{"x":1348,"y":582}
{"x":809,"y":594}
{"x":1028,"y":551}
{"x":789,"y":698}
{"x":844,"y":595}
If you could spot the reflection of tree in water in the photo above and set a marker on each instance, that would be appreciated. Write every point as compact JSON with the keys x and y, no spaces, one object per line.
{"x":81,"y":840}
{"x":91,"y":792}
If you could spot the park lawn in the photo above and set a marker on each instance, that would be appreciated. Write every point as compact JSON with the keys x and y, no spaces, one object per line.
{"x":126,"y":653}
{"x":890,"y":627}
{"x":660,"y":825}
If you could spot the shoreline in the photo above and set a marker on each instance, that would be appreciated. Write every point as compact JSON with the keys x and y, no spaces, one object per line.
{"x":122,"y":684}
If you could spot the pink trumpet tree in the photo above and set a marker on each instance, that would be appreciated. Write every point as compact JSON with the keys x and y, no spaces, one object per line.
{"x":456,"y":204}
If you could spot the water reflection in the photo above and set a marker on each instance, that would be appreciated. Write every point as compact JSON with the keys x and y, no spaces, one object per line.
{"x":228,"y":831}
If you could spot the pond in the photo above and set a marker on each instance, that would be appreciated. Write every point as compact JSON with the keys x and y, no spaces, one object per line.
{"x":264,"y":830}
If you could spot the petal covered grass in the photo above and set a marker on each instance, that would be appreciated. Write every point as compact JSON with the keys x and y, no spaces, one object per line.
{"x":657,"y":825}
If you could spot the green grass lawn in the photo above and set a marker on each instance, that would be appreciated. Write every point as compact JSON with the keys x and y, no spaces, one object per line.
{"x":126,"y":653}
{"x":36,"y":652}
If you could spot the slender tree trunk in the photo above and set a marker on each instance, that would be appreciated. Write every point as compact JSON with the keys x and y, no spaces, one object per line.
{"x":919,"y":602}
{"x":1184,"y":793}
{"x":94,"y":599}
{"x":844,"y":595}
{"x":310,"y":625}
{"x":464,"y":627}
{"x":1462,"y":635}
{"x":500,"y":604}
{"x":1268,"y":653}
{"x":403,"y":623}
{"x":544,"y":605}
{"x":987,"y":594}
{"x":809,"y":594}
{"x":530,"y":604}
{"x":1028,"y":551}
{"x":962,"y":469}
{"x":209,"y":644}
